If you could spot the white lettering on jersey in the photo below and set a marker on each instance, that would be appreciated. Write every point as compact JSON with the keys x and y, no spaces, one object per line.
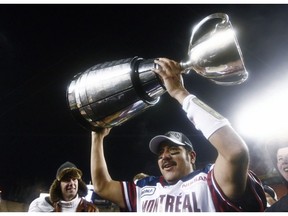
{"x":181,"y":203}
{"x":181,"y":197}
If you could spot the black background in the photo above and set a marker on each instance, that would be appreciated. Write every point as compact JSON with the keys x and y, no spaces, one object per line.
{"x":43,"y":46}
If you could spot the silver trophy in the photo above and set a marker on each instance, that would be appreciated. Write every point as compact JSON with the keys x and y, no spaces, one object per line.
{"x":110,"y":93}
{"x":216,"y":55}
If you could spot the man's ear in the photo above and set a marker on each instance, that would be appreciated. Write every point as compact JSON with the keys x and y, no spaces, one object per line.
{"x":193,"y":156}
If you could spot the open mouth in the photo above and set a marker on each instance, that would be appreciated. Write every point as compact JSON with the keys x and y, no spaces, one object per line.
{"x":168,"y":165}
{"x":70,"y":189}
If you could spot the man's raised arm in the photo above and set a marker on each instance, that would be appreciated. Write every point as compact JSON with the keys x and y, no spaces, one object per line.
{"x":104,"y":186}
{"x":231,"y":166}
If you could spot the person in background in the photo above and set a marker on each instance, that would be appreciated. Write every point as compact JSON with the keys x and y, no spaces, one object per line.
{"x":139,"y":176}
{"x":66,"y":194}
{"x":226,"y":185}
{"x":279,"y":155}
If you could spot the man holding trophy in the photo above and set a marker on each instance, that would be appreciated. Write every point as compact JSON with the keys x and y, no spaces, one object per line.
{"x":226,"y":185}
{"x":110,"y":93}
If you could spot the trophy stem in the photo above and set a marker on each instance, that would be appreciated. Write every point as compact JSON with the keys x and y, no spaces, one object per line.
{"x":186,"y":67}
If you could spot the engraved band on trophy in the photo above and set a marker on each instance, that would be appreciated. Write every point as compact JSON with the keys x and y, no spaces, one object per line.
{"x":110,"y":93}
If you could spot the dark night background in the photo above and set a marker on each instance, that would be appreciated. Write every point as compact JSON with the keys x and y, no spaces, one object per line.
{"x":43,"y":46}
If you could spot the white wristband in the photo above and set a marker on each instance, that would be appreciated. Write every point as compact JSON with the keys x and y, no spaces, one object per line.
{"x":202,"y":116}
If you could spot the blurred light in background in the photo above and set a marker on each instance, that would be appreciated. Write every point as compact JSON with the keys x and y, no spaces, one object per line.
{"x":264,"y":116}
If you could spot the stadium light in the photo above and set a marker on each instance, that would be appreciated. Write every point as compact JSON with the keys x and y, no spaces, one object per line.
{"x":265,"y":115}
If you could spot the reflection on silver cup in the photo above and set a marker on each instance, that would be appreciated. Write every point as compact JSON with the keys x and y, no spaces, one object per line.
{"x":111,"y":93}
{"x":216,"y":55}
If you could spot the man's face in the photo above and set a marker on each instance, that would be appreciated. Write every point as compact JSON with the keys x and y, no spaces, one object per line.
{"x":69,"y":188}
{"x":282,"y":162}
{"x":175,"y":162}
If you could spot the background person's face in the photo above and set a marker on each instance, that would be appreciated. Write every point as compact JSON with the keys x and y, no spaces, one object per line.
{"x":282,"y":162}
{"x":69,"y":189}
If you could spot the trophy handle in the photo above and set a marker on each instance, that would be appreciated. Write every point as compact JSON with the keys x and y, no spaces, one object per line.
{"x":216,"y":55}
{"x":225,"y":20}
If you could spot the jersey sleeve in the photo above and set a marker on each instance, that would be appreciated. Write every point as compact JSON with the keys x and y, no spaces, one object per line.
{"x":253,"y":200}
{"x":130,"y":197}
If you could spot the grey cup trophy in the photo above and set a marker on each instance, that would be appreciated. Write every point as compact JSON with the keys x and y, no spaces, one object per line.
{"x":110,"y":93}
{"x":216,"y":55}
